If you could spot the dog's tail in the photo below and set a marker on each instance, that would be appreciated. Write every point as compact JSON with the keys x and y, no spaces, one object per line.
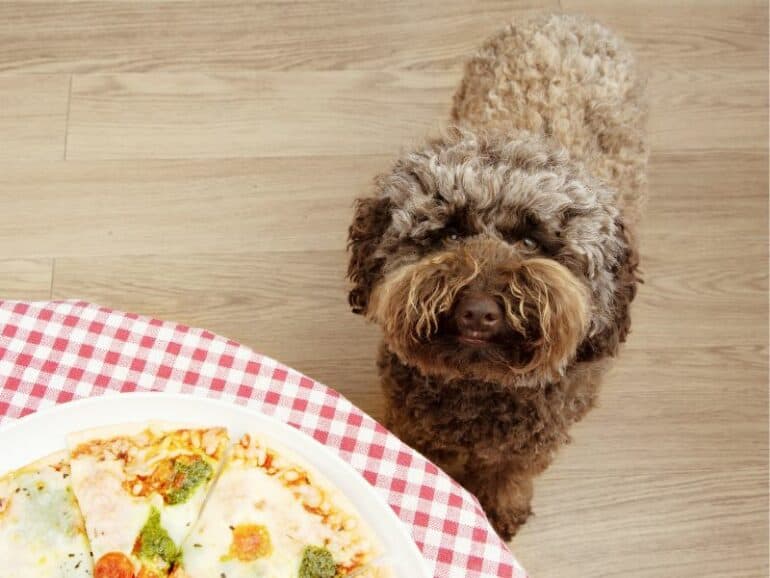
{"x":572,"y":80}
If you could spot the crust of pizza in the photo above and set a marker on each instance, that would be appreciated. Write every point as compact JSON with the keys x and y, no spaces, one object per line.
{"x":119,"y":439}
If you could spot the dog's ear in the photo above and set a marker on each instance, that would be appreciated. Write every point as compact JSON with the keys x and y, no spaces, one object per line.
{"x":371,"y":220}
{"x":607,"y":341}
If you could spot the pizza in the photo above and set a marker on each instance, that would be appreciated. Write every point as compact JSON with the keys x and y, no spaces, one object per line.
{"x":157,"y":500}
{"x":270,"y":515}
{"x":41,"y":529}
{"x":140,"y":488}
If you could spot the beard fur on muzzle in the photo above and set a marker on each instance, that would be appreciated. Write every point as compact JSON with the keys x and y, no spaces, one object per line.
{"x":545,"y":305}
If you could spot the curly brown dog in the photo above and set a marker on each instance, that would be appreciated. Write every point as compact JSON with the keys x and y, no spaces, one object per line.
{"x":498,"y":258}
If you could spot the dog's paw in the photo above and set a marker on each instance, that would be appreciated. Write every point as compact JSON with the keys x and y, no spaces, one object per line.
{"x":507,"y":522}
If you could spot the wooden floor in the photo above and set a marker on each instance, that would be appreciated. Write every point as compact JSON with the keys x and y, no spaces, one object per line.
{"x":197,"y":161}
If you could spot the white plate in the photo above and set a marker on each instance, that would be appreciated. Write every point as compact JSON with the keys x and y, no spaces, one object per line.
{"x":42,"y":433}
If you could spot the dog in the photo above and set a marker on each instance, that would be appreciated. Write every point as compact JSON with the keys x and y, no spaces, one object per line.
{"x":499,"y":259}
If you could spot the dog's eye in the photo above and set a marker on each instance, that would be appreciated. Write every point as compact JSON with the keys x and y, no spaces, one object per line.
{"x":451,"y":233}
{"x":529,"y":243}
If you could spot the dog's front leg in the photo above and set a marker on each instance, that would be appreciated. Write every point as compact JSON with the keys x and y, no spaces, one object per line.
{"x":505,"y":494}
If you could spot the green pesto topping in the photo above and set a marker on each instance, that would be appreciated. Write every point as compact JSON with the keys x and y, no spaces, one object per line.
{"x":154,"y":545}
{"x":188,"y":475}
{"x":317,"y":563}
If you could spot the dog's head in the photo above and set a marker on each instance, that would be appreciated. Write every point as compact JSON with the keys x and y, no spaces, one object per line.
{"x":494,"y":259}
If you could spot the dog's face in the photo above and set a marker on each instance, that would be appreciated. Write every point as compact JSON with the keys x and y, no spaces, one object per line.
{"x":492,"y":259}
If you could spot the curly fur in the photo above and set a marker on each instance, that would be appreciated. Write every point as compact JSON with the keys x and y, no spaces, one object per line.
{"x":529,"y":199}
{"x":572,"y":80}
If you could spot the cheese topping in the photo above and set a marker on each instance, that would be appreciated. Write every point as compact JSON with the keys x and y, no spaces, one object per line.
{"x":41,"y":529}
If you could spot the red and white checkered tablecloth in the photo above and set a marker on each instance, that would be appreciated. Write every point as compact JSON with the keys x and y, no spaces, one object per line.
{"x":54,"y":352}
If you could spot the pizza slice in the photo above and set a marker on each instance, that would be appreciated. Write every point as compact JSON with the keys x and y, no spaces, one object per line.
{"x":41,"y":529}
{"x":271,"y":515}
{"x":140,"y":488}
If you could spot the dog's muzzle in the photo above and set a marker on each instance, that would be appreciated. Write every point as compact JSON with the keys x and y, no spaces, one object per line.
{"x":485,"y":294}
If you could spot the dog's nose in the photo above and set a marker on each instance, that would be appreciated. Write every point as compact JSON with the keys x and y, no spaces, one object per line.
{"x":478,"y":315}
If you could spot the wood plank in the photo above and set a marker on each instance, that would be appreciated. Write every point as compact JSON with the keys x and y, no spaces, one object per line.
{"x":705,"y":252}
{"x":703,"y":109}
{"x":247,"y":114}
{"x":33,"y":116}
{"x":137,"y":36}
{"x":680,"y":409}
{"x":26,"y":279}
{"x":180,"y":207}
{"x":647,"y":524}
